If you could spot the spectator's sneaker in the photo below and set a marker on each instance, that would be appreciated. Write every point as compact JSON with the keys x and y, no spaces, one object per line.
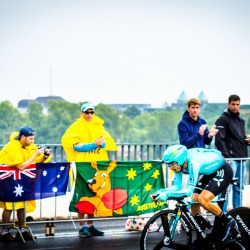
{"x":94,"y":231}
{"x":84,"y":233}
{"x":228,"y":230}
{"x":26,"y":235}
{"x":7,"y":237}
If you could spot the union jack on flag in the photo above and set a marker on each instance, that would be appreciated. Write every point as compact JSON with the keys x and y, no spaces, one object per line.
{"x":7,"y":171}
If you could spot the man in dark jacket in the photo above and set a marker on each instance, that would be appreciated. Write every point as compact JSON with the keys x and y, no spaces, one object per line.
{"x":232,"y":141}
{"x":192,"y":129}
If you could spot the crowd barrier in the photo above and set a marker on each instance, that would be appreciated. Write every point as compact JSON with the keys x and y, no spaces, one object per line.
{"x":60,"y":213}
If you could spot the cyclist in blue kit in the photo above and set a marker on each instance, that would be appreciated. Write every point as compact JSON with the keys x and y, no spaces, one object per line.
{"x":216,"y":174}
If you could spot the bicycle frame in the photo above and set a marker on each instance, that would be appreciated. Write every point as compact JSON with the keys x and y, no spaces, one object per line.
{"x":182,"y":207}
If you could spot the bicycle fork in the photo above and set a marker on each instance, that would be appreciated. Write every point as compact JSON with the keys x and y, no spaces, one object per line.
{"x":171,"y":227}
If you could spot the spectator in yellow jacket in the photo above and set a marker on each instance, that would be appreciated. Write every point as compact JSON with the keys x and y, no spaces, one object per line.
{"x":86,"y":140}
{"x":20,"y":152}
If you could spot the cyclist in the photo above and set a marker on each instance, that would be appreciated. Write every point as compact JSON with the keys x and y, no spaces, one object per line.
{"x":216,"y":176}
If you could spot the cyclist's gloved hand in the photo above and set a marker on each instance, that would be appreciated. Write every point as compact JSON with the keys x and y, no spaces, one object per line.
{"x":162,"y":194}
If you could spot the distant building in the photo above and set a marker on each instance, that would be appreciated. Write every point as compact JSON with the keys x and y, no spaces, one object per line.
{"x":43,"y":100}
{"x":149,"y":110}
{"x":165,"y":105}
{"x":124,"y":106}
{"x":202,"y":98}
{"x":23,"y":104}
{"x":183,"y":99}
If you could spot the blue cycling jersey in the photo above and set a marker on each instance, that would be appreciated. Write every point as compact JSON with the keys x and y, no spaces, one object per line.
{"x":201,"y":161}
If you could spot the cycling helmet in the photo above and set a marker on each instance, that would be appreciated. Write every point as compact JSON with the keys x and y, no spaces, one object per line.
{"x":177,"y":153}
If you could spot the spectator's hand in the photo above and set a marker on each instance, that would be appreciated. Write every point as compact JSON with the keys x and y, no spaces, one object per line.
{"x":202,"y":129}
{"x":48,"y":153}
{"x":39,"y":151}
{"x":99,"y":141}
{"x":248,"y":139}
{"x":213,"y":131}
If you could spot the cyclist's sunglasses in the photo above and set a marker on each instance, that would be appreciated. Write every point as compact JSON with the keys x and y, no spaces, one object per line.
{"x":171,"y":164}
{"x":89,"y":112}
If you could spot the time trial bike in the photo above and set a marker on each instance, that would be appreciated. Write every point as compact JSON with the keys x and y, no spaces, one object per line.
{"x":178,"y":229}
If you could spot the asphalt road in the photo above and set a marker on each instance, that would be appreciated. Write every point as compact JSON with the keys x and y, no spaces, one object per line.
{"x":66,"y":237}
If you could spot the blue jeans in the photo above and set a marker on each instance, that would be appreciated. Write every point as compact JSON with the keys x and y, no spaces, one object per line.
{"x":239,"y":170}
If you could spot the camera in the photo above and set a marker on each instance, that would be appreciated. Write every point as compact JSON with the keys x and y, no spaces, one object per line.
{"x":45,"y":150}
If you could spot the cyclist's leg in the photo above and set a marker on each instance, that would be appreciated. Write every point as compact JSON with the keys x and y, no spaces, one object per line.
{"x":200,"y":186}
{"x":216,"y":186}
{"x":205,"y":199}
{"x":196,"y":208}
{"x":203,"y":182}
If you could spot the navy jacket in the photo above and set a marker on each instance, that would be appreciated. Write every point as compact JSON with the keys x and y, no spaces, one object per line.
{"x":188,"y":130}
{"x":230,"y":139}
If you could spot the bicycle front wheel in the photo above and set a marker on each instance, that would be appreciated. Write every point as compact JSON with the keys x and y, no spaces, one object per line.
{"x":162,"y":232}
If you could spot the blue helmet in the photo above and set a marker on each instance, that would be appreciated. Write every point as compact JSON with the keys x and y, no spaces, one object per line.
{"x":177,"y":153}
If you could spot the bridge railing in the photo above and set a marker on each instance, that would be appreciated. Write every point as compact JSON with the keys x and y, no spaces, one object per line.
{"x":125,"y":152}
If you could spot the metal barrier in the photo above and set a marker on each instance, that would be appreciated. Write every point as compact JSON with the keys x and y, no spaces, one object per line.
{"x":126,"y":151}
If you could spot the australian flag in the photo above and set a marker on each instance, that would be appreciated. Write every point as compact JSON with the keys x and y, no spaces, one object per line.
{"x":37,"y":181}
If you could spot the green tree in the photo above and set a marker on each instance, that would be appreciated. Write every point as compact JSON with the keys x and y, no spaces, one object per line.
{"x":125,"y":129}
{"x":141,"y":125}
{"x":35,"y":115}
{"x":248,"y":126}
{"x":132,"y":112}
{"x":165,"y":127}
{"x":212,"y":111}
{"x":129,"y":126}
{"x":158,"y":126}
{"x":10,"y":121}
{"x":247,"y":123}
{"x":61,"y":114}
{"x":116,"y":122}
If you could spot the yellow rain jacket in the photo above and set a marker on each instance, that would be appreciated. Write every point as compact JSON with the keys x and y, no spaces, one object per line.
{"x":83,"y":131}
{"x":12,"y":154}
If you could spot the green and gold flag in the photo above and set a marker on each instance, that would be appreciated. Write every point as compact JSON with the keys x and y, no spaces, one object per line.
{"x":113,"y":188}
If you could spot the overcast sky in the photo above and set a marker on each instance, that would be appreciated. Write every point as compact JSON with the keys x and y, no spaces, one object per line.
{"x":130,"y":51}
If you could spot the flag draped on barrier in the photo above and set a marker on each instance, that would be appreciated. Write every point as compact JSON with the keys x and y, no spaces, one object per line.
{"x":37,"y":181}
{"x":117,"y":188}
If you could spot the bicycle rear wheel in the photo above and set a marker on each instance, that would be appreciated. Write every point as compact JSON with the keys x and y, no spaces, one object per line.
{"x":242,"y":218}
{"x":160,"y":232}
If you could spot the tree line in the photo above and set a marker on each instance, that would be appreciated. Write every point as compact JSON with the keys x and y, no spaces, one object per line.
{"x":128,"y":126}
